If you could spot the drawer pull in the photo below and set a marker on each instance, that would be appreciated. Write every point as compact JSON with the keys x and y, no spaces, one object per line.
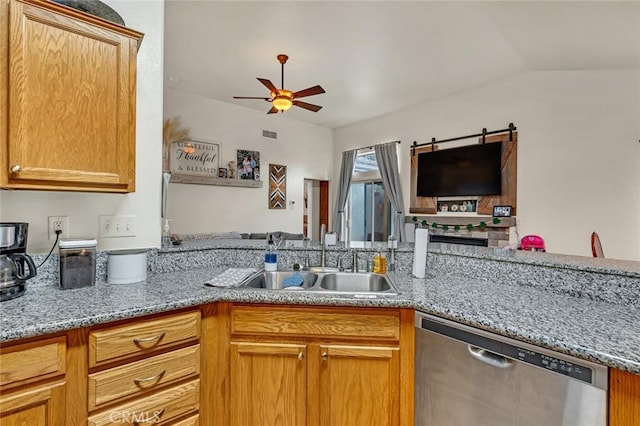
{"x":149,"y":339}
{"x":16,"y":168}
{"x":300,"y":356}
{"x":150,"y":379}
{"x":155,"y":418}
{"x":324,"y":356}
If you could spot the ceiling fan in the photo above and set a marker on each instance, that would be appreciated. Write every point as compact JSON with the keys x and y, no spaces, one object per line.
{"x":282,"y":99}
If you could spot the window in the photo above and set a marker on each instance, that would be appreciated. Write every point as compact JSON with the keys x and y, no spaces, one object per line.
{"x":369,"y":210}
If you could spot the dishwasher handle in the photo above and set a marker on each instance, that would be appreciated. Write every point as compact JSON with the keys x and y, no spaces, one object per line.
{"x":490,"y":358}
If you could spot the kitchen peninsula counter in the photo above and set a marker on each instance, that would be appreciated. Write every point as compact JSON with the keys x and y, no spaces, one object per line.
{"x":592,"y":328}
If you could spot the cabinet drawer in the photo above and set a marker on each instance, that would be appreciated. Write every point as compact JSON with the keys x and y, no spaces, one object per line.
{"x":191,"y":421}
{"x":142,"y":337}
{"x":142,"y":376}
{"x":31,"y":361}
{"x":350,"y":323}
{"x":158,"y":408}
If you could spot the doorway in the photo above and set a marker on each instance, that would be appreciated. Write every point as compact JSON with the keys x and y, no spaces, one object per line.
{"x":369,"y":211}
{"x":316,"y":207}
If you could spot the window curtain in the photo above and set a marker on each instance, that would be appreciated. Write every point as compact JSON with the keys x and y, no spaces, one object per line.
{"x":387,"y":159}
{"x":344,"y":186}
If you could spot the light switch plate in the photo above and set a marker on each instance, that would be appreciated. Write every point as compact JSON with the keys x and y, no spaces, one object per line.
{"x":117,"y":226}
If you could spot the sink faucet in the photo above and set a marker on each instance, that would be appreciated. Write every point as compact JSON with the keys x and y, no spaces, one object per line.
{"x":354,"y":263}
{"x":323,"y":252}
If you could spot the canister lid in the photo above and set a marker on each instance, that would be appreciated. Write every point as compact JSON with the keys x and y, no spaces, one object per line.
{"x":77,"y":243}
{"x":126,"y":252}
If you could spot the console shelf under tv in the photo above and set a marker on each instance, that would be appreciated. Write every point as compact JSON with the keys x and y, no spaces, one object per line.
{"x":509,"y":162}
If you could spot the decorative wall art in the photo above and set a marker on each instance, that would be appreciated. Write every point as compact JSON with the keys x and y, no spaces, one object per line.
{"x":248,"y":164}
{"x":194,"y":158}
{"x":277,"y":186}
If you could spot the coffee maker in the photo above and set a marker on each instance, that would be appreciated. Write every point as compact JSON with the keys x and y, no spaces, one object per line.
{"x":16,"y":266}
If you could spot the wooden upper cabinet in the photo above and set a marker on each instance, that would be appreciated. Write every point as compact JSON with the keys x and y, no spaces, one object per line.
{"x":68,"y":99}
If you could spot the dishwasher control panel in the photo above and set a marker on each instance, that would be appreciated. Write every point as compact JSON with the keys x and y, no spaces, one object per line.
{"x":557,"y":365}
{"x":513,"y":351}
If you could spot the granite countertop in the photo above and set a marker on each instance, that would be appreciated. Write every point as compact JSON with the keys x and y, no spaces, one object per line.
{"x":598,"y":331}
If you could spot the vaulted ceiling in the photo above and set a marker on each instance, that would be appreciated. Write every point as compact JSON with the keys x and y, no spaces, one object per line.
{"x":373,"y":58}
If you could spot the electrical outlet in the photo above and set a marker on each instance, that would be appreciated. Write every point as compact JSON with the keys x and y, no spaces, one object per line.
{"x":58,"y":223}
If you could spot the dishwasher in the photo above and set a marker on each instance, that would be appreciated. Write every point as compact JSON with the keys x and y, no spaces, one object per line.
{"x":469,"y":377}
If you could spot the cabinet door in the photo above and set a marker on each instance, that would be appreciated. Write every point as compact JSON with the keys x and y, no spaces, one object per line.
{"x":38,"y":406}
{"x":71,"y":97}
{"x":268,"y":384}
{"x":624,"y":398}
{"x":359,"y":385}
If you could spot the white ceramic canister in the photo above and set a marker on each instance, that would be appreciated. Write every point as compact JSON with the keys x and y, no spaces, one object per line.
{"x":127,"y":266}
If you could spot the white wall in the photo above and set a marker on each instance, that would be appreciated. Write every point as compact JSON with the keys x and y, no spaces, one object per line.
{"x":306,"y":150}
{"x":83,"y":209}
{"x":578,"y":159}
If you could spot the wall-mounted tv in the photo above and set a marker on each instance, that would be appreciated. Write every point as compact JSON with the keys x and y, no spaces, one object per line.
{"x":467,"y":170}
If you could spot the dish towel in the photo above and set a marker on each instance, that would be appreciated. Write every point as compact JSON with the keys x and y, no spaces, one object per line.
{"x":232,"y":277}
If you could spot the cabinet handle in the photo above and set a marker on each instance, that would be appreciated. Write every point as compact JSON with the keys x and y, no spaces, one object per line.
{"x":149,"y":379}
{"x":149,"y":339}
{"x":15,"y":168}
{"x":324,"y":356}
{"x":300,"y":356}
{"x":154,"y":418}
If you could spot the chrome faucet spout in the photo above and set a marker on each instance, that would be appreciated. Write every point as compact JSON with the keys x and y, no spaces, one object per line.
{"x":323,"y":252}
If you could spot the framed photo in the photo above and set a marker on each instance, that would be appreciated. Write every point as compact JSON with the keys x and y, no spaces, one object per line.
{"x":501,"y":211}
{"x":191,"y":157}
{"x":248,"y":164}
{"x":222,"y":172}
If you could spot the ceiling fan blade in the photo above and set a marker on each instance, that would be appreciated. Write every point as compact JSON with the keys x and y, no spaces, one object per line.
{"x":251,"y":97}
{"x":269,"y":85}
{"x":273,"y":110}
{"x":315,"y":90}
{"x":310,"y":107}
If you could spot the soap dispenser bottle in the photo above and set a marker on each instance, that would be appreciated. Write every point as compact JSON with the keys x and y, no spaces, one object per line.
{"x":166,"y":233}
{"x":271,"y":256}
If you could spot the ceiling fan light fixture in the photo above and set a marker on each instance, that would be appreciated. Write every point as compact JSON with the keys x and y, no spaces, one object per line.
{"x":282,"y":102}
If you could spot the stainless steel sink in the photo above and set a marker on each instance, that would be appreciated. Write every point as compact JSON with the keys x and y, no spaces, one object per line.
{"x":327,"y":281}
{"x":346,"y":282}
{"x":274,"y":280}
{"x":322,"y":269}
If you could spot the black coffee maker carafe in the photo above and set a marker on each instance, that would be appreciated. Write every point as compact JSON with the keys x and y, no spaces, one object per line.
{"x":16,"y":266}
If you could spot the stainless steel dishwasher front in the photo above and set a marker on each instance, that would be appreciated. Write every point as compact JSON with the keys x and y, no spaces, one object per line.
{"x":469,"y":377}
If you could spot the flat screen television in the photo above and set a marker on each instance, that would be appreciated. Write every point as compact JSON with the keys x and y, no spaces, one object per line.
{"x":467,"y":170}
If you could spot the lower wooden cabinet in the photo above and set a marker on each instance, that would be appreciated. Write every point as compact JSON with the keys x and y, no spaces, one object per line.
{"x":32,"y":383}
{"x":145,"y":371}
{"x":268,"y":384}
{"x":359,"y":385}
{"x":39,"y":405}
{"x":624,"y":398}
{"x":319,"y":367}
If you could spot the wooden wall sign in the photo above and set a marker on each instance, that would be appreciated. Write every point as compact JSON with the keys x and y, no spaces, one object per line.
{"x":277,"y":186}
{"x":194,"y":158}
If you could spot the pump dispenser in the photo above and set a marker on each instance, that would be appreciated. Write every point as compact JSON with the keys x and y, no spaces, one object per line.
{"x":271,"y":256}
{"x":166,"y":233}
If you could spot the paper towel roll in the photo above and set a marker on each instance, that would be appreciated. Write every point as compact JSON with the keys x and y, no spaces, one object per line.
{"x":420,"y":253}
